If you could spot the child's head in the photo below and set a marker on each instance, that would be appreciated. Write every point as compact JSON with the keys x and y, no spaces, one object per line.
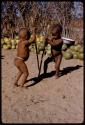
{"x":24,"y":34}
{"x":56,"y":30}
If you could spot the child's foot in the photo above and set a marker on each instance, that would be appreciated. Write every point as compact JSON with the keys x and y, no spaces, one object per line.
{"x":16,"y":84}
{"x":22,"y":85}
{"x":57,"y":75}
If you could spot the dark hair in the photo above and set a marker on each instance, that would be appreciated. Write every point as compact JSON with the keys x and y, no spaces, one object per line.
{"x":25,"y":31}
{"x":28,"y":34}
{"x":56,"y":26}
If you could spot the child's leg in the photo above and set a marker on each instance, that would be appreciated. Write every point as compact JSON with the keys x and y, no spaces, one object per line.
{"x":24,"y":69}
{"x":48,"y":60}
{"x":18,"y":77}
{"x":57,"y":64}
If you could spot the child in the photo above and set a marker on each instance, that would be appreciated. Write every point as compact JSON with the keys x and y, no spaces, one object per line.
{"x":23,"y":54}
{"x":56,"y":45}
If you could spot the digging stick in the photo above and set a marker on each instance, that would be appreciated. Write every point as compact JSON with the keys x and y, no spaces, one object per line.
{"x":43,"y":51}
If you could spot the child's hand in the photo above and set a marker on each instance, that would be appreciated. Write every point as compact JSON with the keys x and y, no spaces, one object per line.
{"x":34,"y":29}
{"x":32,"y":38}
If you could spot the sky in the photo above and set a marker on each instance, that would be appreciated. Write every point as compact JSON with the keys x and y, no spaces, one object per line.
{"x":78,"y":10}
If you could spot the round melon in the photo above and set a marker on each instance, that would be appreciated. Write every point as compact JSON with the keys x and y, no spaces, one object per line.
{"x":13,"y":47}
{"x":67,"y":55}
{"x":37,"y":39}
{"x":75,"y":56}
{"x":48,"y":52}
{"x":81,"y":56}
{"x":79,"y":46}
{"x":30,"y":47}
{"x":17,"y":37}
{"x":8,"y":46}
{"x":17,"y":41}
{"x":6,"y":40}
{"x":42,"y":38}
{"x":72,"y":47}
{"x":76,"y":48}
{"x":12,"y":40}
{"x":64,"y":47}
{"x":2,"y":41}
{"x":69,"y":50}
{"x":80,"y":50}
{"x":5,"y":46}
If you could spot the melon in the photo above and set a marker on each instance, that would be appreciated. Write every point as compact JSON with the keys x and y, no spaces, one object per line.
{"x":2,"y":41}
{"x":67,"y":55}
{"x":8,"y":46}
{"x":64,"y":47}
{"x":72,"y":47}
{"x":76,"y":48}
{"x":80,"y":50}
{"x":12,"y":41}
{"x":42,"y":38}
{"x":81,"y":56}
{"x":6,"y":40}
{"x":17,"y":37}
{"x":69,"y":50}
{"x":49,"y":46}
{"x":13,"y":47}
{"x":5,"y":46}
{"x":37,"y":39}
{"x":48,"y":52}
{"x":75,"y":56}
{"x":17,"y":41}
{"x":79,"y":46}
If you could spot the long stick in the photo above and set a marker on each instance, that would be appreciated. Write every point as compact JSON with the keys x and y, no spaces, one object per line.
{"x":33,"y":22}
{"x":41,"y":61}
{"x":37,"y":56}
{"x":43,"y":54}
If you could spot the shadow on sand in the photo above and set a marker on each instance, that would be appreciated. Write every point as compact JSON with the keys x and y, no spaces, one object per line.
{"x":65,"y":71}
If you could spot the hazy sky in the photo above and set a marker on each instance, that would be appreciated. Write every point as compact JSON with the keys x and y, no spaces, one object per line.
{"x":78,"y":9}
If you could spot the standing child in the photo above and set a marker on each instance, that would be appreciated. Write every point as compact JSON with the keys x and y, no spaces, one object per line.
{"x":56,"y":48}
{"x":23,"y":54}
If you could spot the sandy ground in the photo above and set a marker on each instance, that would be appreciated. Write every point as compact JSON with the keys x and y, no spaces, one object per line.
{"x":48,"y":100}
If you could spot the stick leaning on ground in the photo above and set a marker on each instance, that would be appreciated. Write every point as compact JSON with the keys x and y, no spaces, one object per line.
{"x":33,"y":20}
{"x":37,"y":56}
{"x":34,"y":30}
{"x":43,"y":50}
{"x":41,"y":61}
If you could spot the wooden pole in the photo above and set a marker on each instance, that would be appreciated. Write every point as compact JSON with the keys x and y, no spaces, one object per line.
{"x":37,"y":56}
{"x":33,"y":20}
{"x":41,"y":61}
{"x":43,"y":52}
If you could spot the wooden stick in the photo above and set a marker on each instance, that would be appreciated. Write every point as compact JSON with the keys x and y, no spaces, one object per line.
{"x":34,"y":25}
{"x":37,"y":56}
{"x":43,"y":52}
{"x":41,"y":61}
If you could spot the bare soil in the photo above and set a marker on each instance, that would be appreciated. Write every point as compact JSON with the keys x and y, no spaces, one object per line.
{"x":47,"y":100}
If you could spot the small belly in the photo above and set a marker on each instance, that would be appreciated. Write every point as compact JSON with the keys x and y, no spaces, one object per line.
{"x":55,"y":53}
{"x":24,"y":55}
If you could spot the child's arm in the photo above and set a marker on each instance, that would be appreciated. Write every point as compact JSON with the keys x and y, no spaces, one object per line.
{"x":46,"y":40}
{"x":33,"y":38}
{"x":55,"y":42}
